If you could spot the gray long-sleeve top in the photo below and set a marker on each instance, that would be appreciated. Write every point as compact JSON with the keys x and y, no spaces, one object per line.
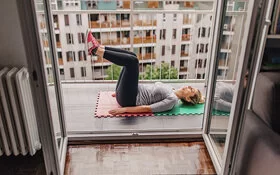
{"x":159,"y":96}
{"x":223,"y":96}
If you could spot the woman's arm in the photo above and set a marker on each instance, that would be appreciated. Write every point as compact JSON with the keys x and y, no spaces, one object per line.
{"x":222,"y":105}
{"x":134,"y":109}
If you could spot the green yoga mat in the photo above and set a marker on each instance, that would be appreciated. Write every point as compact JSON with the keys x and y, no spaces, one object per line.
{"x":182,"y":109}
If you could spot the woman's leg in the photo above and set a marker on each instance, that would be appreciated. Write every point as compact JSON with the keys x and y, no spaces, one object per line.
{"x":121,"y":51}
{"x":127,"y":87}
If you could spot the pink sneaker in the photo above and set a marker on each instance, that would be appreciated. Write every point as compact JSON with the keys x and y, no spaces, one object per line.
{"x":92,"y":43}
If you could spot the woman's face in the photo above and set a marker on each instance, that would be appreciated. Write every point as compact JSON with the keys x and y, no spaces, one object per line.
{"x":188,"y":92}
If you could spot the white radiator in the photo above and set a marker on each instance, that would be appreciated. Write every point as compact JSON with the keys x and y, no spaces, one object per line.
{"x":18,"y":127}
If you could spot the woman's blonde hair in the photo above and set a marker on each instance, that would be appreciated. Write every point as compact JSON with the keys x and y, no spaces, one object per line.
{"x":195,"y":99}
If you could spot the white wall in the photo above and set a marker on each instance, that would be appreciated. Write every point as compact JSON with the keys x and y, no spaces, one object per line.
{"x":12,"y":51}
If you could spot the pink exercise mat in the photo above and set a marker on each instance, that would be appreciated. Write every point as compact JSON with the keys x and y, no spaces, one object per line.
{"x":106,"y":102}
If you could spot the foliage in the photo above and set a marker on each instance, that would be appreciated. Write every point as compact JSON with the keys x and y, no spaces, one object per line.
{"x":165,"y":71}
{"x":113,"y":72}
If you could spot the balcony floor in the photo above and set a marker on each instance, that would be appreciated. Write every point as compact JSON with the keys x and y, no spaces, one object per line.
{"x":79,"y":105}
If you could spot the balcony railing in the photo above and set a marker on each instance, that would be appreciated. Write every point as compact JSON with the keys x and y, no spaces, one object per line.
{"x":186,"y":37}
{"x":148,"y":39}
{"x":116,"y":41}
{"x":187,"y":21}
{"x":109,"y":24}
{"x":60,"y":61}
{"x":45,"y":43}
{"x":146,"y":56}
{"x":183,"y":69}
{"x":58,"y":44}
{"x":145,"y":23}
{"x":184,"y":54}
{"x":42,"y":25}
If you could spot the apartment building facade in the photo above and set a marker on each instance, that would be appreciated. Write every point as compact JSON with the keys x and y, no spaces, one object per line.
{"x":173,"y":32}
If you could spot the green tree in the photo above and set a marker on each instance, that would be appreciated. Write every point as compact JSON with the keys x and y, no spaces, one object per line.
{"x":113,"y":72}
{"x":165,"y":71}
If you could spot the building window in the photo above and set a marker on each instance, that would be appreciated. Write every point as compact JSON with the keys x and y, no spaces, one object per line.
{"x":79,"y":19}
{"x":149,"y":50}
{"x":201,"y":49}
{"x":200,"y":63}
{"x":72,"y":72}
{"x":198,"y":76}
{"x":83,"y":72}
{"x":174,"y":33}
{"x":206,"y":48}
{"x":81,"y":38}
{"x":197,"y":48}
{"x":69,"y":38}
{"x":168,"y":2}
{"x":182,"y":63}
{"x":203,"y":33}
{"x":199,"y":17}
{"x":163,"y":50}
{"x":183,"y":47}
{"x":175,"y":17}
{"x":70,"y":55}
{"x":66,"y":20}
{"x":59,"y":54}
{"x":204,"y":63}
{"x":209,"y":30}
{"x":199,"y":32}
{"x":173,"y":49}
{"x":162,"y":34}
{"x":92,"y":4}
{"x":172,"y":63}
{"x":82,"y":55}
{"x":61,"y":71}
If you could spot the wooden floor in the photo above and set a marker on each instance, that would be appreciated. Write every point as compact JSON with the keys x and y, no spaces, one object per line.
{"x":142,"y":159}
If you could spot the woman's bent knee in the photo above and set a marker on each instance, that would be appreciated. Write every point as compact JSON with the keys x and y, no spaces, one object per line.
{"x":134,"y":60}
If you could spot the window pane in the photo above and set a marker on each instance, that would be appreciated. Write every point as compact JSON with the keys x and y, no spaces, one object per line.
{"x":66,"y":20}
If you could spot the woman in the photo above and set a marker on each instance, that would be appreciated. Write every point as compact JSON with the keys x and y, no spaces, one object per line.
{"x":223,"y":96}
{"x":135,"y":98}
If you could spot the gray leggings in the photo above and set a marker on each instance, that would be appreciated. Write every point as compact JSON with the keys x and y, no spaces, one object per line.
{"x":127,"y":86}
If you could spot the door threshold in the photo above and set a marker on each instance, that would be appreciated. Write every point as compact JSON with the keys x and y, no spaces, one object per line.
{"x":134,"y":137}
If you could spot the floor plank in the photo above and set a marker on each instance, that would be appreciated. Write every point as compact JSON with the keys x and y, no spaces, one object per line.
{"x":141,"y":158}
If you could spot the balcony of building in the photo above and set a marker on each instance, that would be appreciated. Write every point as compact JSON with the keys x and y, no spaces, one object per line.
{"x":58,"y":44}
{"x":147,"y":39}
{"x":109,"y":24}
{"x":184,"y":54}
{"x":186,"y":37}
{"x":146,"y":56}
{"x":116,"y":41}
{"x":80,"y":103}
{"x":145,"y":23}
{"x":137,"y":29}
{"x":60,"y":61}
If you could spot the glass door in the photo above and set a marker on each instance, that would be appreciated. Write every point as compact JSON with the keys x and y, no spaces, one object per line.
{"x":50,"y":62}
{"x":227,"y":77}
